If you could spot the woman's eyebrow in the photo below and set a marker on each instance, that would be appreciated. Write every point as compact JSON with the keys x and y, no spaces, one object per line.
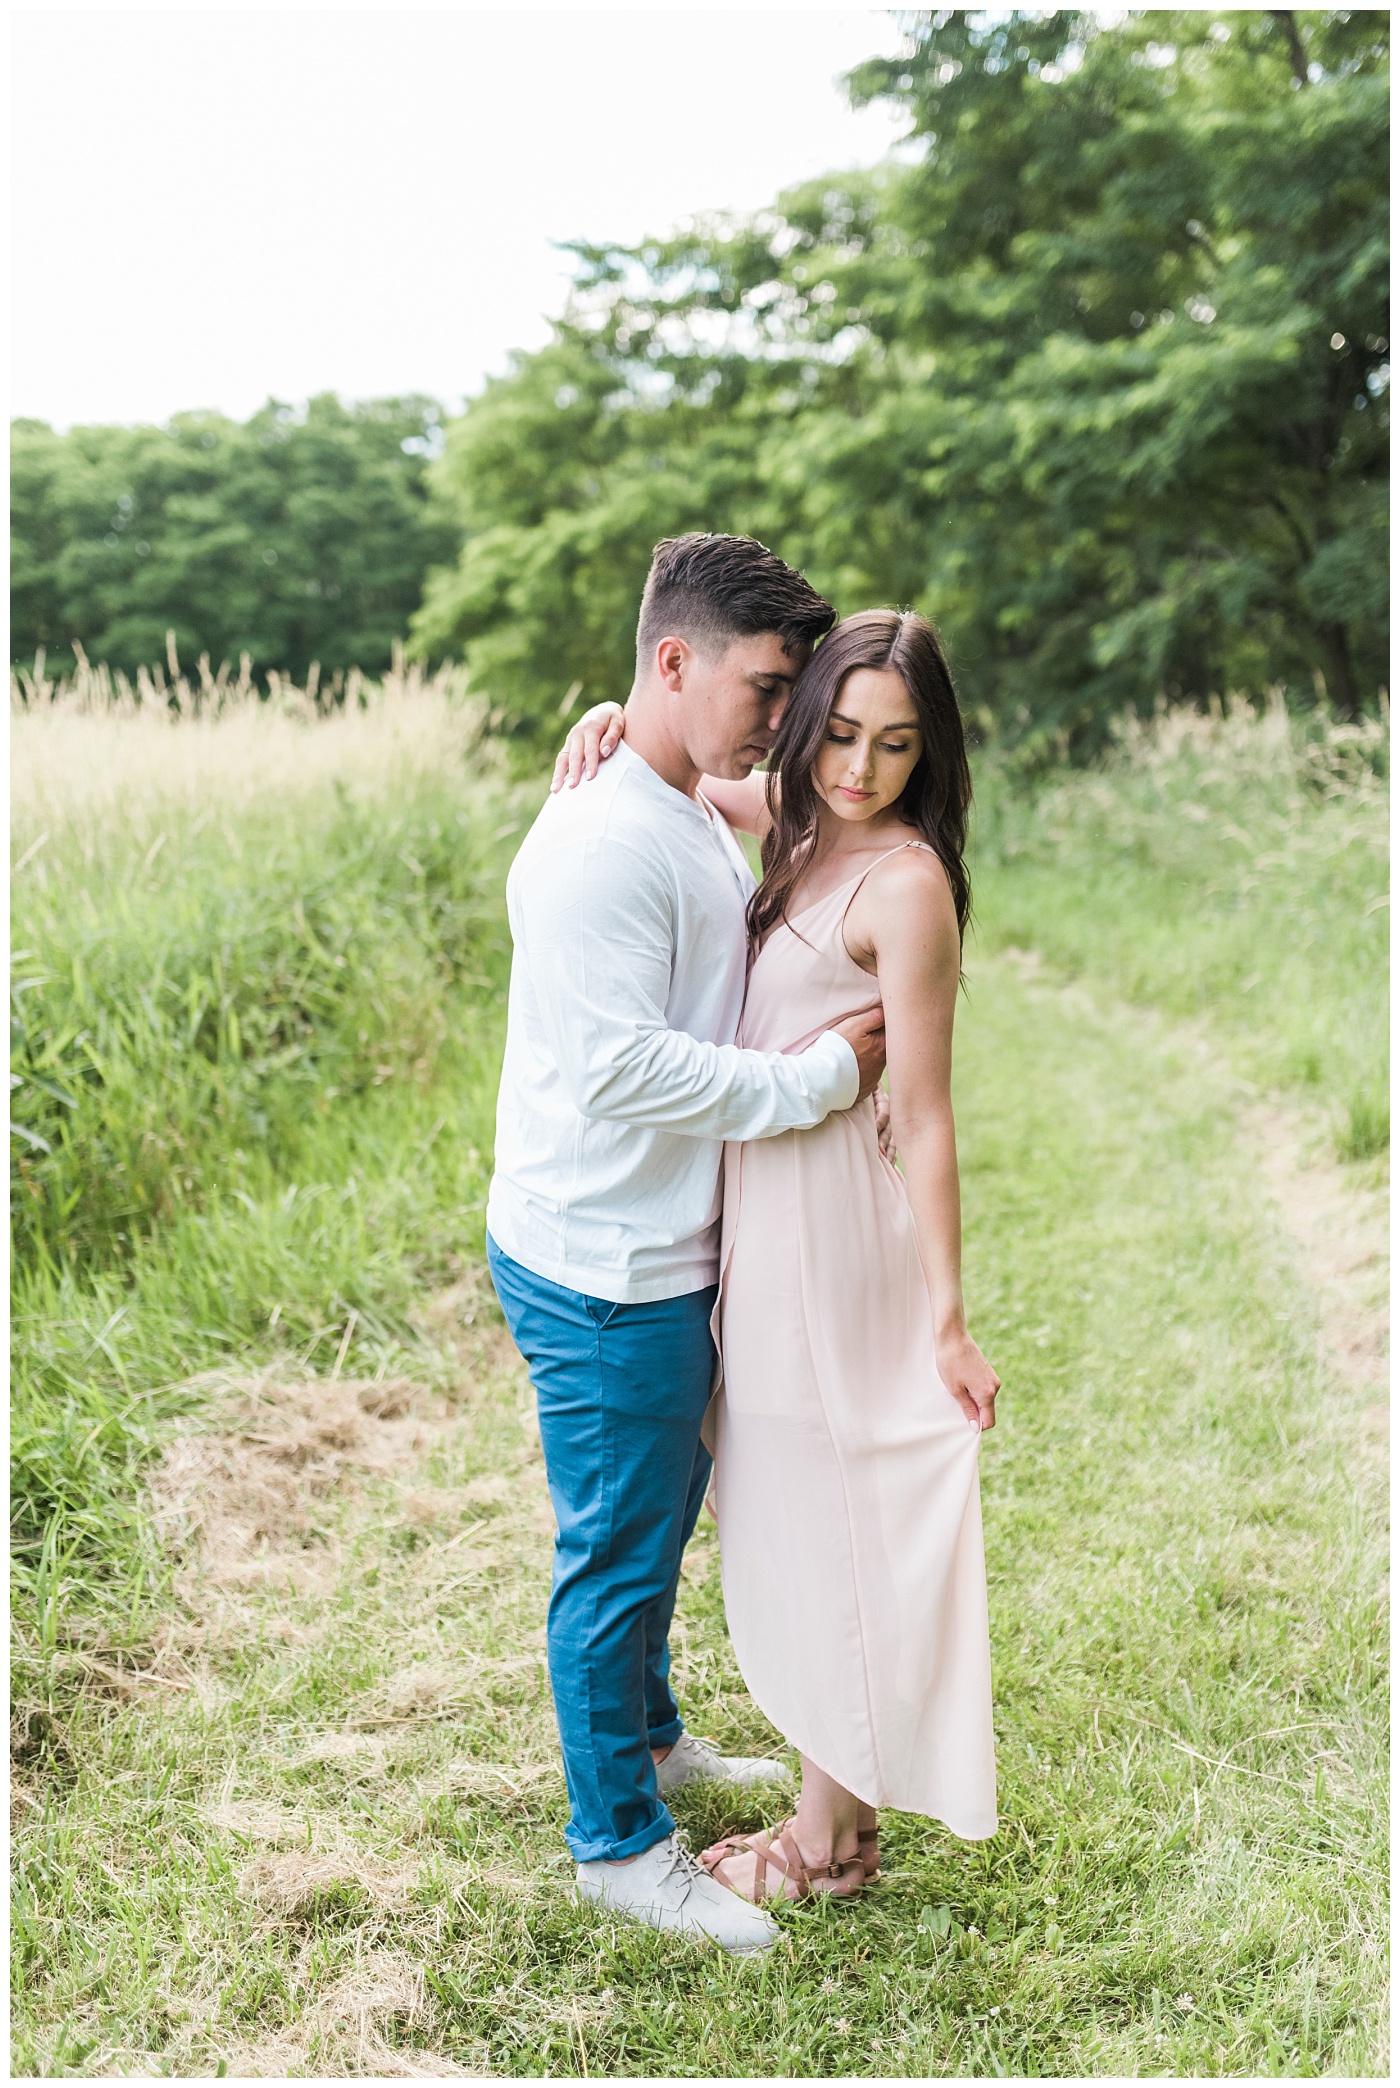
{"x":837,"y":717}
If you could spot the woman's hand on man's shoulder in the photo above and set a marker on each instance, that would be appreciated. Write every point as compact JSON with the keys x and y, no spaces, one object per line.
{"x":597,"y":734}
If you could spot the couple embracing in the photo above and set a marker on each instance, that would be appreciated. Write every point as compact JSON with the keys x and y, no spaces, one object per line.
{"x":704,"y":1253}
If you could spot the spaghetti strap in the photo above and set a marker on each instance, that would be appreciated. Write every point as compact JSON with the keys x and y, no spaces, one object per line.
{"x":860,"y":880}
{"x":875,"y":866}
{"x":853,"y":884}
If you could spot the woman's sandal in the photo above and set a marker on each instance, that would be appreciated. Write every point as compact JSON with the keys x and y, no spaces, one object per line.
{"x":780,"y":1852}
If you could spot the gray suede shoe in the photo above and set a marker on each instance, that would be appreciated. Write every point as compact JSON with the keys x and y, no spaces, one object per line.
{"x":699,"y":1761}
{"x":668,"y":1889}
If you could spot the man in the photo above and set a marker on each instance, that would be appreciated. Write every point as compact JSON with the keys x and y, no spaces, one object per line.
{"x":620,"y":1084}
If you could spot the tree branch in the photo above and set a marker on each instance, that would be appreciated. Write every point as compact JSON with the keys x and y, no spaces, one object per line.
{"x":1300,"y":536}
{"x":1298,"y":57}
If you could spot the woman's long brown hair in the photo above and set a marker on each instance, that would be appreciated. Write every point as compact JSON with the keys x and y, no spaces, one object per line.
{"x":936,"y":799}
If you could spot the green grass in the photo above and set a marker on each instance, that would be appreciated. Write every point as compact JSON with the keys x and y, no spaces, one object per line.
{"x":289,"y":1799}
{"x":1227,"y":869}
{"x":256,"y":1078}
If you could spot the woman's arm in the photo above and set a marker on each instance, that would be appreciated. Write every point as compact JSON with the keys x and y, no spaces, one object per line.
{"x":744,"y":804}
{"x":597,"y":734}
{"x":902,"y":921}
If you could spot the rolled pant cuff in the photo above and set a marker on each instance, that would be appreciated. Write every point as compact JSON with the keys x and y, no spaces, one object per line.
{"x":618,"y":1852}
{"x":667,"y":1735}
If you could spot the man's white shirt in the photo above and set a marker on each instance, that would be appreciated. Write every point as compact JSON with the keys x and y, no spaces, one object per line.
{"x":621,"y":1078}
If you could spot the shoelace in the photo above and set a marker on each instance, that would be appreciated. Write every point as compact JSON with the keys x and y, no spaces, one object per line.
{"x":692,"y":1743}
{"x":683,"y":1866}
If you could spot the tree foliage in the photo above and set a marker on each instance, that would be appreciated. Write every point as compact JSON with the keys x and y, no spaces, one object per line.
{"x":292,"y":536}
{"x":1095,"y":374}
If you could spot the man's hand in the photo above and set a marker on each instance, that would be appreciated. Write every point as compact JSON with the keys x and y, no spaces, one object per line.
{"x":866,"y":1036}
{"x":595,"y":736}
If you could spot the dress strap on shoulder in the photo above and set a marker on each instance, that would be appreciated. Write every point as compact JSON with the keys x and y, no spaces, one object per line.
{"x":898,"y":849}
{"x":855,"y":888}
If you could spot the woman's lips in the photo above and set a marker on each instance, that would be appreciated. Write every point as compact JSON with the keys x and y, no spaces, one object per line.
{"x":856,"y":796}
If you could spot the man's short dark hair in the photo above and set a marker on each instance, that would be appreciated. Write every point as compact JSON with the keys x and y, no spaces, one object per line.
{"x":711,"y":589}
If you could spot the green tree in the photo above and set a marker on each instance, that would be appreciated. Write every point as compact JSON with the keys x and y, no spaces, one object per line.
{"x":1099,"y":380}
{"x":292,"y":537}
{"x":1154,"y":263}
{"x":562,"y":478}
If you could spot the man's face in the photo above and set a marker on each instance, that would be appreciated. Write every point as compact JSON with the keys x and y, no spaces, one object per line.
{"x":733,"y":703}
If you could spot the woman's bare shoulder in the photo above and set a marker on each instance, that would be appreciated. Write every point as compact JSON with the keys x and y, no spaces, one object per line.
{"x":914,"y":872}
{"x":903,"y":911}
{"x":908,"y":893}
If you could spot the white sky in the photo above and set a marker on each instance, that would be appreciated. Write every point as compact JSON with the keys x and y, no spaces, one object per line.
{"x":212,"y":205}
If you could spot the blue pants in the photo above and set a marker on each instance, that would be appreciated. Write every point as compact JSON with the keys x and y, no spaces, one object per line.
{"x":622,"y":1390}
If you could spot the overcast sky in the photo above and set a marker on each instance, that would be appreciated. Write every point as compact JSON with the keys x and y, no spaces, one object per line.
{"x":216,"y":204}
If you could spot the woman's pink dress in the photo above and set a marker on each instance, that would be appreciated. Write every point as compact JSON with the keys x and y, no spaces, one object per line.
{"x":845,"y":1473}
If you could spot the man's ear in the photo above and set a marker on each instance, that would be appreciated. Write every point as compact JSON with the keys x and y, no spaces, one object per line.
{"x":673,"y":658}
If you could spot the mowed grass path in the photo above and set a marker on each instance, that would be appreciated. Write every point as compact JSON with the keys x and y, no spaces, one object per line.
{"x":325,"y":1836}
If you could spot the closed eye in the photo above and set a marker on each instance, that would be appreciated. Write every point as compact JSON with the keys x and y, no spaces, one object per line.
{"x":846,"y":739}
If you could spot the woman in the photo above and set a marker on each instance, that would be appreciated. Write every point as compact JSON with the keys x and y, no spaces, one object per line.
{"x":853,"y":1400}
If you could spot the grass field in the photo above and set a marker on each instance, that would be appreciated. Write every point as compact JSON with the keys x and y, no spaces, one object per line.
{"x":286,"y":1794}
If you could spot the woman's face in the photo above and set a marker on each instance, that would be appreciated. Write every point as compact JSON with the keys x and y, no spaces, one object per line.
{"x":872,"y":744}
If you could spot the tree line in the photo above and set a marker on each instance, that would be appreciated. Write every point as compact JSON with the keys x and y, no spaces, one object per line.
{"x":1094,"y":372}
{"x":294,"y":536}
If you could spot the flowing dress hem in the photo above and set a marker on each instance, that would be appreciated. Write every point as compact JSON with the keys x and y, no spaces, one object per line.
{"x":886,"y":1804}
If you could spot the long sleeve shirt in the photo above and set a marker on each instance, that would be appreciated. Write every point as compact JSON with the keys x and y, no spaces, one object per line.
{"x":621,"y":1079}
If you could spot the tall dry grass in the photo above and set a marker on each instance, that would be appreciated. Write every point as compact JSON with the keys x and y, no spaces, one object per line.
{"x":99,"y":755}
{"x":259,"y":961}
